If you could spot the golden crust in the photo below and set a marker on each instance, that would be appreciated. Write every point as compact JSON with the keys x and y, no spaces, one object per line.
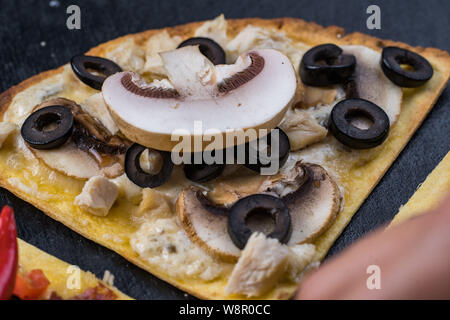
{"x":429,"y":194}
{"x":419,"y":104}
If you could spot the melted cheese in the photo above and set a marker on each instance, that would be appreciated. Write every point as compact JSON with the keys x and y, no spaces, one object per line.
{"x":258,"y":38}
{"x":161,"y":242}
{"x":6,"y":128}
{"x":215,"y":29}
{"x":128,"y":55}
{"x":154,"y":236}
{"x":160,"y":42}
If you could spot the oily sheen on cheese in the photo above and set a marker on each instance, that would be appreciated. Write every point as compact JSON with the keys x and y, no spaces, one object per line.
{"x":141,"y":224}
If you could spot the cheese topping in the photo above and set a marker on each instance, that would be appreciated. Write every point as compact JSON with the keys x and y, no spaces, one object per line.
{"x":6,"y":128}
{"x":163,"y":244}
{"x":98,"y":196}
{"x":160,"y":42}
{"x":158,"y":239}
{"x":258,"y":38}
{"x":215,"y":29}
{"x":128,"y":55}
{"x":24,"y":102}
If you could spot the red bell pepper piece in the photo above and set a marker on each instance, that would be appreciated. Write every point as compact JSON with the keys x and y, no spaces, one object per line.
{"x":8,"y":252}
{"x":32,"y":286}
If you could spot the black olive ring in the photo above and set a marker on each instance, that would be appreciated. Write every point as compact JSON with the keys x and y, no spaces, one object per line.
{"x":255,"y":164}
{"x":208,"y":47}
{"x":351,"y":136}
{"x":34,"y":130}
{"x":393,"y":57}
{"x":325,"y":65}
{"x":141,"y":178}
{"x":81,"y":64}
{"x":254,"y":204}
{"x":202,"y":172}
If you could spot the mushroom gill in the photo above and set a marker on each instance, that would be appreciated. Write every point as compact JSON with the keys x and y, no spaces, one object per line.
{"x":312,"y":197}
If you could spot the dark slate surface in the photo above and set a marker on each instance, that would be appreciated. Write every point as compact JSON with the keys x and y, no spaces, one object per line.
{"x":26,"y":25}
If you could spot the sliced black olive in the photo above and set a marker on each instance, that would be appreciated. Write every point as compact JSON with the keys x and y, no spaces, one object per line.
{"x":48,"y":128}
{"x":202,"y":172}
{"x":140,"y":177}
{"x":82,"y":66}
{"x":258,"y":204}
{"x":343,"y":130}
{"x":392,"y":58}
{"x":325,"y":65}
{"x":208,"y":47}
{"x":254,"y":159}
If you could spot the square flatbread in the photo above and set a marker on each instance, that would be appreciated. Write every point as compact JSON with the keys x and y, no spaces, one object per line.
{"x":358,"y":171}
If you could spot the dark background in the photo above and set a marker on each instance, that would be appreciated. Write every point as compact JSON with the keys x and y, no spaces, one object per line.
{"x":26,"y":25}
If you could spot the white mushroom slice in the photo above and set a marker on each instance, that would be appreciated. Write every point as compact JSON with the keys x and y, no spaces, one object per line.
{"x":6,"y":128}
{"x":262,"y":263}
{"x":314,"y":206}
{"x":96,"y":107}
{"x":76,"y":163}
{"x":206,"y":229}
{"x":191,"y":73}
{"x":98,"y":196}
{"x":255,"y":97}
{"x":302,"y":129}
{"x":70,"y":160}
{"x":372,"y":84}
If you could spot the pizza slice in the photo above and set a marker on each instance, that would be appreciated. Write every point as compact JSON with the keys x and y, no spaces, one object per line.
{"x":429,"y":193}
{"x":90,"y":144}
{"x":28,"y":273}
{"x":58,"y":280}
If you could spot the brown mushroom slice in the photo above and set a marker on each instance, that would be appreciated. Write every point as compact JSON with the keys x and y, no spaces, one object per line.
{"x":204,"y":228}
{"x":244,"y":182}
{"x":312,"y":198}
{"x":253,"y":93}
{"x":314,"y":206}
{"x":90,"y":152}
